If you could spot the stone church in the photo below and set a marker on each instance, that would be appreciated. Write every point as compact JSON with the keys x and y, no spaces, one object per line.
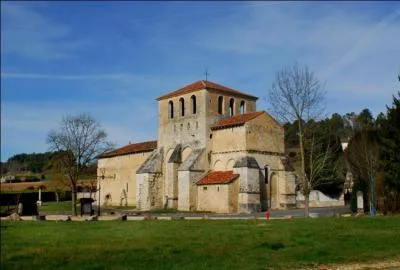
{"x":214,"y":152}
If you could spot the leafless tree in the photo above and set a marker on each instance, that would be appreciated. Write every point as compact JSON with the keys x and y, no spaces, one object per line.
{"x":296,"y":94}
{"x":81,"y":139}
{"x":319,"y":156}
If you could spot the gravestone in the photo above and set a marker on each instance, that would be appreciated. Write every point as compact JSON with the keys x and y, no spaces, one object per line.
{"x":360,"y":202}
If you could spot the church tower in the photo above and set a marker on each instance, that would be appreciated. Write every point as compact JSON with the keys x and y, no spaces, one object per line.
{"x":184,"y":120}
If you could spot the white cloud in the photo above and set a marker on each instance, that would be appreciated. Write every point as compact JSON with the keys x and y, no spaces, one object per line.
{"x":364,"y":39}
{"x":355,"y":53}
{"x":7,"y":75}
{"x":27,"y":33}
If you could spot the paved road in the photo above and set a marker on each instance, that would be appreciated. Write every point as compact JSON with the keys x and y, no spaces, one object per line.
{"x":297,"y":213}
{"x":321,"y":211}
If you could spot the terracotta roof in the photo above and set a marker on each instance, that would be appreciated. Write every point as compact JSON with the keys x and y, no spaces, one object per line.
{"x":236,"y":120}
{"x":218,"y":177}
{"x":199,"y":85}
{"x":130,"y":149}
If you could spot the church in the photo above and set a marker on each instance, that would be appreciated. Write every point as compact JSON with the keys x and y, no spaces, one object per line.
{"x":214,"y":152}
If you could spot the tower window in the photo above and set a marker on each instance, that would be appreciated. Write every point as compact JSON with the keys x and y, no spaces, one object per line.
{"x":182,"y":103}
{"x":193,"y":99}
{"x":266,"y":172}
{"x":171,"y":109}
{"x":231,"y":107}
{"x":220,"y":104}
{"x":242,"y":107}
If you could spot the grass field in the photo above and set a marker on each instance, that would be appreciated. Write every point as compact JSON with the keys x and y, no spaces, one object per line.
{"x":57,"y":207}
{"x":201,"y":244}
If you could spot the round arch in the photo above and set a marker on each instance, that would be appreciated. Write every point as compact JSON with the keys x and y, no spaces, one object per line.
{"x":218,"y":165}
{"x":229,"y":165}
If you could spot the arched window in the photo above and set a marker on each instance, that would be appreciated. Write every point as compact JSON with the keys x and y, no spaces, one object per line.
{"x":193,"y":99}
{"x":231,"y":107}
{"x":182,"y":102}
{"x":220,"y":104}
{"x":171,"y":109}
{"x":241,"y":107}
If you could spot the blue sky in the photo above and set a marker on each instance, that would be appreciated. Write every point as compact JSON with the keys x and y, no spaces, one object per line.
{"x":112,"y":59}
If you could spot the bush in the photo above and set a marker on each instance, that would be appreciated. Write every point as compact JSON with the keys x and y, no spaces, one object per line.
{"x":65,"y":196}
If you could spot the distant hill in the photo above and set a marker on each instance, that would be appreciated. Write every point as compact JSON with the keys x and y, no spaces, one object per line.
{"x":36,"y":165}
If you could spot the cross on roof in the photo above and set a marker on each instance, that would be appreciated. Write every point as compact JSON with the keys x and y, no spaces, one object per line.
{"x":206,"y":73}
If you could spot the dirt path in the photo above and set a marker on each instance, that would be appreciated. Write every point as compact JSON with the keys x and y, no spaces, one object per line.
{"x":388,"y":265}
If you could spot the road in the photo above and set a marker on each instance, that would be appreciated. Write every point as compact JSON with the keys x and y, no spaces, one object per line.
{"x":296,"y":213}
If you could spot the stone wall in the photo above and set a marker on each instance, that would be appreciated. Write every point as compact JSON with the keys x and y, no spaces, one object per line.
{"x":187,"y":187}
{"x":119,"y":184}
{"x":229,"y":139}
{"x":188,"y":130}
{"x":282,"y":184}
{"x":249,"y":188}
{"x":263,"y":133}
{"x":218,"y":198}
{"x":319,"y":199}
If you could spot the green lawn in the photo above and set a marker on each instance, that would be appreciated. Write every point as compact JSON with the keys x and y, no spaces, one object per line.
{"x":200,"y":244}
{"x":57,"y":207}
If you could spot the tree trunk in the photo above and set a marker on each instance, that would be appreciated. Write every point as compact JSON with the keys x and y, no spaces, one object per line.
{"x":303,"y":179}
{"x":73,"y":191}
{"x":57,"y":196}
{"x":307,"y":205}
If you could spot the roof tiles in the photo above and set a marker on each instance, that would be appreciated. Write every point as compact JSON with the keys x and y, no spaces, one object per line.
{"x":218,"y":177}
{"x":199,"y":85}
{"x":236,"y":120}
{"x":131,"y":148}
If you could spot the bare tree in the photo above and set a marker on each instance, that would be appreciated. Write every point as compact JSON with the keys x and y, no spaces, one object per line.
{"x":319,"y":157}
{"x":81,"y":139}
{"x":296,"y":94}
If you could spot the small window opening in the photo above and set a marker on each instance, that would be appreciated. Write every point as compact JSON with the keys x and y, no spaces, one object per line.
{"x":182,"y":103}
{"x":231,"y":107}
{"x":193,"y":99}
{"x":204,"y":188}
{"x":241,"y":108}
{"x":171,"y":109}
{"x":266,"y":174}
{"x":220,"y":104}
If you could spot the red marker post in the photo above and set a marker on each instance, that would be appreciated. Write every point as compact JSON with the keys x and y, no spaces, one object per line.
{"x":267,"y":215}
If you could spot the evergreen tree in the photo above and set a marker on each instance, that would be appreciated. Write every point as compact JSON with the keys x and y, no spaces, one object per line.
{"x":390,"y":158}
